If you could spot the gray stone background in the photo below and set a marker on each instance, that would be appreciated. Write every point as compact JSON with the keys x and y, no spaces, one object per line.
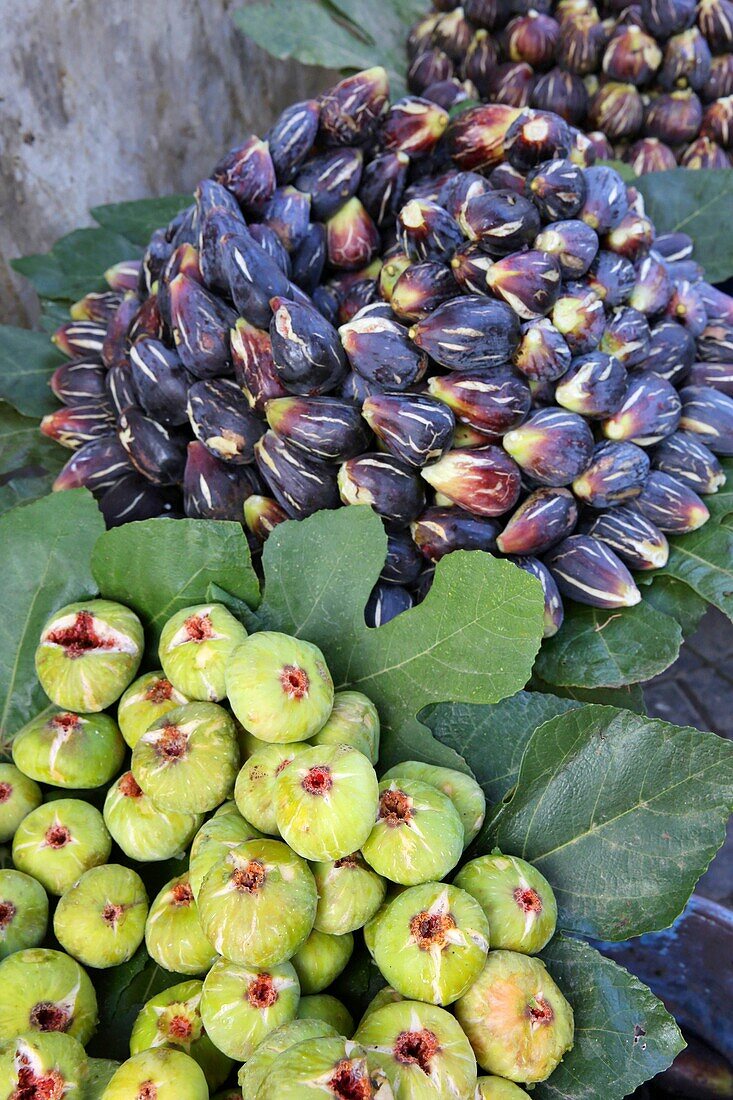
{"x":106,"y":101}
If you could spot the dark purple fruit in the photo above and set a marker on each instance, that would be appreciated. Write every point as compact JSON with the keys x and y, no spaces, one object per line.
{"x":650,"y":155}
{"x":96,"y":466}
{"x":324,"y":427}
{"x":427,"y":231}
{"x":594,"y":385}
{"x":330,"y":179}
{"x":636,"y":541}
{"x":385,"y":603}
{"x":287,"y":214}
{"x":612,"y":278}
{"x":413,"y":126}
{"x":74,"y":425}
{"x":290,"y":138}
{"x":306,"y":350}
{"x":674,"y":118}
{"x":687,"y":61}
{"x":216,"y":228}
{"x":380,"y":350}
{"x":475,"y":138}
{"x":262,"y":515}
{"x":535,"y":137}
{"x":632,"y":56}
{"x":553,"y":446}
{"x":578,"y":315}
{"x":715,"y":342}
{"x":414,"y":427}
{"x":392,"y":487}
{"x":134,"y":498}
{"x":501,"y":221}
{"x":470,"y":266}
{"x":580,"y":44}
{"x":653,"y":286}
{"x":123,"y":276}
{"x":506,"y":178}
{"x":531,"y":38}
{"x":512,"y":84}
{"x":254,"y":368}
{"x":573,"y":244}
{"x":671,"y":352}
{"x":670,"y":504}
{"x":529,"y":282}
{"x":440,"y":531}
{"x":301,"y":484}
{"x":606,"y":201}
{"x":493,"y":400}
{"x":78,"y":381}
{"x":351,"y":109}
{"x":686,"y":458}
{"x":421,"y":288}
{"x":544,"y":518}
{"x":717,"y":124}
{"x":479,"y":61}
{"x":554,"y":611}
{"x":213,"y":489}
{"x":120,"y":388}
{"x":352,"y":238}
{"x":458,"y":188}
{"x":449,"y":93}
{"x":616,"y":474}
{"x":717,"y":375}
{"x":96,"y":306}
{"x":587,"y":571}
{"x":626,"y":337}
{"x":310,"y":259}
{"x":561,"y":92}
{"x":156,"y":453}
{"x":253,"y":278}
{"x":404,"y":562}
{"x":221,"y":419}
{"x":382,"y":185}
{"x":248,"y":173}
{"x":426,"y":68}
{"x":160,"y":381}
{"x":708,"y":414}
{"x":469,"y":333}
{"x":211,"y":195}
{"x":715,"y":20}
{"x":663,"y":18}
{"x":484,"y":480}
{"x":632,"y":237}
{"x":201,"y":326}
{"x":155,"y":258}
{"x":542,"y":354}
{"x":616,"y":109}
{"x":649,"y":412}
{"x":116,"y":343}
{"x":557,"y":187}
{"x":703,"y":152}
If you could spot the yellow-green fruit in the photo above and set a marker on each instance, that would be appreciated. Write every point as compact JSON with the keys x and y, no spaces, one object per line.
{"x":516,"y":898}
{"x":257,"y":1068}
{"x":421,"y":1049}
{"x":145,"y":702}
{"x":320,"y":960}
{"x":88,"y":654}
{"x":279,"y":687}
{"x":386,"y":996}
{"x":349,"y":894}
{"x":48,"y":1066}
{"x":432,"y":943}
{"x":173,"y":934}
{"x":215,"y":838}
{"x":45,"y":990}
{"x":59,"y":841}
{"x":418,"y":835}
{"x":322,"y":1006}
{"x":353,"y":721}
{"x":258,"y":903}
{"x":334,"y":1067}
{"x":498,"y":1088}
{"x":142,"y":830}
{"x":254,"y":790}
{"x":326,"y":802}
{"x":196,"y":646}
{"x":101,"y":1072}
{"x":189,"y":760}
{"x":18,"y":796}
{"x":80,"y":751}
{"x":101,"y":919}
{"x":23,"y":912}
{"x":517,"y":1020}
{"x":163,"y":1074}
{"x":463,"y":791}
{"x":173,"y":1019}
{"x":240,"y":1005}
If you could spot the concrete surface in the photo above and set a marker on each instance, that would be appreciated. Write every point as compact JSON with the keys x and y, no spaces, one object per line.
{"x":102,"y":102}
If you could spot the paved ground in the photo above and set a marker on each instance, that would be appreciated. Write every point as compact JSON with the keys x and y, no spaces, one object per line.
{"x":698,"y":691}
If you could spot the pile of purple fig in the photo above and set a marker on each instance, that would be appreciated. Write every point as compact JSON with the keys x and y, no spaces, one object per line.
{"x":652,"y":82}
{"x":463,"y":323}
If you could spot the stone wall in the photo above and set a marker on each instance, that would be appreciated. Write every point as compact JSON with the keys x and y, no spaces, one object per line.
{"x":106,"y":100}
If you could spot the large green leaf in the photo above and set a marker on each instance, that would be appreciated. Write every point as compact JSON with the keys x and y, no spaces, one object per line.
{"x":598,"y":647}
{"x":697,"y":203}
{"x":76,"y":263}
{"x":623,"y":1033}
{"x":337,"y":34}
{"x":27,"y":361}
{"x":472,"y":640}
{"x":630,"y":697}
{"x":158,"y":566}
{"x":720,"y":504}
{"x":46,"y":553}
{"x":138,"y":219}
{"x":29,"y":461}
{"x":493,"y":738}
{"x":704,"y":561}
{"x":676,"y":599}
{"x":622,"y":813}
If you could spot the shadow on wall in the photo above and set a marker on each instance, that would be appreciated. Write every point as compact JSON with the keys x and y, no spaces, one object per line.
{"x":107,"y":102}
